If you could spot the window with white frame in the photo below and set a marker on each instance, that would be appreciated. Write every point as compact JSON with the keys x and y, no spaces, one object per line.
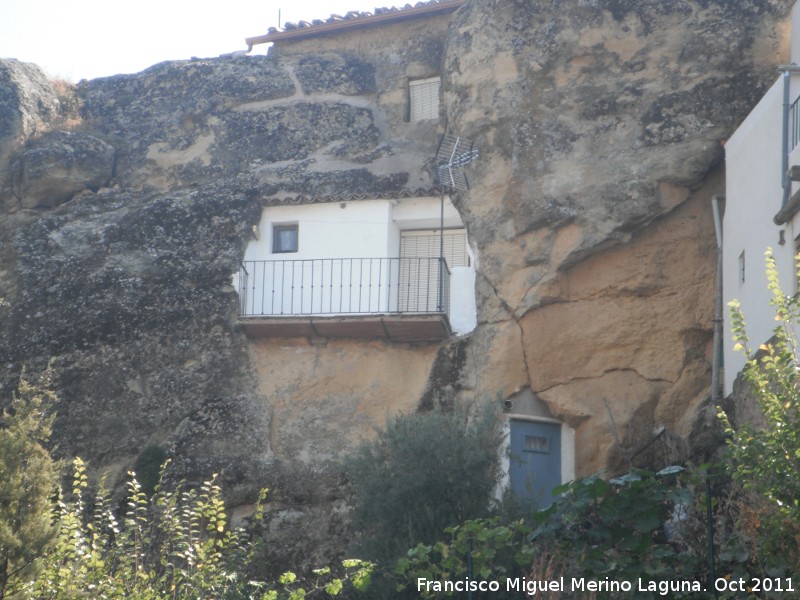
{"x":423,"y":95}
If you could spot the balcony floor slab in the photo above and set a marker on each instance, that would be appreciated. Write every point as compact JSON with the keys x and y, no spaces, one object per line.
{"x":391,"y":327}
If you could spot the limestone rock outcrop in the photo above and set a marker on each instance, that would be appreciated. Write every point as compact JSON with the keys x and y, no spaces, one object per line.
{"x":601,"y":127}
{"x":28,"y":104}
{"x":58,"y":165}
{"x":122,"y":281}
{"x":27,"y":100}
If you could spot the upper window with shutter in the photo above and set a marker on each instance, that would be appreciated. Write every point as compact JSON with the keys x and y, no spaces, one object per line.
{"x":426,"y":243}
{"x":424,"y":98}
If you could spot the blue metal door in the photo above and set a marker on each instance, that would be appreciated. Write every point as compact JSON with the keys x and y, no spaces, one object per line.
{"x":535,"y":461}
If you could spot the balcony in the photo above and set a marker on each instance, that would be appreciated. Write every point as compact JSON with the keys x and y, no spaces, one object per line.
{"x":396,"y":299}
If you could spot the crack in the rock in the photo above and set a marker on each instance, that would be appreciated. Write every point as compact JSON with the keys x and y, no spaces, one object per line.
{"x":603,"y":374}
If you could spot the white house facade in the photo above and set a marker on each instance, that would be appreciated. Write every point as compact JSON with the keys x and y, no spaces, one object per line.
{"x":761,"y":206}
{"x":334,"y":266}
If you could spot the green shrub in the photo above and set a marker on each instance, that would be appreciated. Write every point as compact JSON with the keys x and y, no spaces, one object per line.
{"x":596,"y":529}
{"x":765,"y":461}
{"x":28,"y":480}
{"x":615,"y":528}
{"x":480,"y":549}
{"x":176,"y":544}
{"x":423,"y":473}
{"x":148,"y":468}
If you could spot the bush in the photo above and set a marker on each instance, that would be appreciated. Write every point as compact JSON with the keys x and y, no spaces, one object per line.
{"x":423,"y":473}
{"x":65,"y":544}
{"x":616,"y":529}
{"x":597,"y":529}
{"x":766,"y":461}
{"x":177,"y":544}
{"x":28,"y":480}
{"x":478,"y":550}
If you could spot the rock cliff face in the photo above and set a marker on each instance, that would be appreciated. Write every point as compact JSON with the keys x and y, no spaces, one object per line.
{"x":600,"y":125}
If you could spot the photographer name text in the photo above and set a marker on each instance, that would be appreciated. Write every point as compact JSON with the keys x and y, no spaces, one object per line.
{"x":531,"y":587}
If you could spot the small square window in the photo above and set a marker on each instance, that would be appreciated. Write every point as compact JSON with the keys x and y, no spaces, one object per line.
{"x":536,"y":443}
{"x":284,"y":238}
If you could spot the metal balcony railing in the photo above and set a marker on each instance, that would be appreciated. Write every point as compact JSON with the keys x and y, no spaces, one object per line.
{"x":794,"y":124}
{"x":344,"y":286}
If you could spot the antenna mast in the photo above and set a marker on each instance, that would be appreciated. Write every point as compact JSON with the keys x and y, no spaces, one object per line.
{"x":452,"y":156}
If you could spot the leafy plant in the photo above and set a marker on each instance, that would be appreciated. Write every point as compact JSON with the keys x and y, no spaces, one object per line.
{"x":481,"y":549}
{"x":28,"y":480}
{"x":176,"y":544}
{"x":596,"y":529}
{"x":615,"y":528}
{"x":766,"y":460}
{"x":423,"y":473}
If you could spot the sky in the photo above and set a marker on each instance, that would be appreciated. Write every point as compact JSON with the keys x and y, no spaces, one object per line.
{"x":85,"y":39}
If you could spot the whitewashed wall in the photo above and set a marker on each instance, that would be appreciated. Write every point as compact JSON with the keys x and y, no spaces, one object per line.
{"x":357,"y":229}
{"x":330,"y":230}
{"x":754,"y":194}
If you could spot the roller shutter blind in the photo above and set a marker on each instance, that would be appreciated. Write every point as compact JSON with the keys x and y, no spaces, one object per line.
{"x":424,"y":99}
{"x":425,"y":244}
{"x":418,"y":289}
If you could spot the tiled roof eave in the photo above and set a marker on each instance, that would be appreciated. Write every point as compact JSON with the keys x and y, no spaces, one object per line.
{"x":393,"y":195}
{"x":429,"y":9}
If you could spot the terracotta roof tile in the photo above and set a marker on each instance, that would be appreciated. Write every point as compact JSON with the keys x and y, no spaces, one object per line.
{"x":396,"y":194}
{"x":354,"y":18}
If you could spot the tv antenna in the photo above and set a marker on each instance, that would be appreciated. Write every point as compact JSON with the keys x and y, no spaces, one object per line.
{"x":452,"y":157}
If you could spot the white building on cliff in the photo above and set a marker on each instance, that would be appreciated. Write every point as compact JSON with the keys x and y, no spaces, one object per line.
{"x":375,"y":270}
{"x":762,"y":206}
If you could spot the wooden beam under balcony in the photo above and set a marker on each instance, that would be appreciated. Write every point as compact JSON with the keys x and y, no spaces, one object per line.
{"x":399,"y":328}
{"x":788,"y":211}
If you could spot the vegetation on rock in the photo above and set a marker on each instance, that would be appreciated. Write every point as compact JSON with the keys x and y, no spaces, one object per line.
{"x":28,"y":480}
{"x":70,"y":543}
{"x":423,"y":473}
{"x":765,"y":460}
{"x":597,"y":529}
